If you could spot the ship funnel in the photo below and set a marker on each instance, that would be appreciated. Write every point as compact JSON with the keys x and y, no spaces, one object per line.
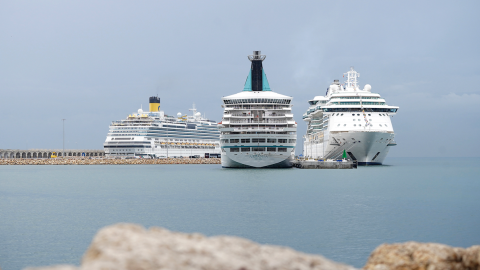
{"x":154,"y":104}
{"x":256,"y":80}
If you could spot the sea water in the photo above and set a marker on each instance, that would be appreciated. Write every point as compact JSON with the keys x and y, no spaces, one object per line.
{"x":49,"y":214}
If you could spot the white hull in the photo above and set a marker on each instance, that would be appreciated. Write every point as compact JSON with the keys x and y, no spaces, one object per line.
{"x":162,"y":152}
{"x":366,"y":147}
{"x":257,"y":160}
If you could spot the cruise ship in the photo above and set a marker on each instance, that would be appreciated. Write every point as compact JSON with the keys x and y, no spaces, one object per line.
{"x":257,"y":128}
{"x":154,"y":134}
{"x":351,"y":120}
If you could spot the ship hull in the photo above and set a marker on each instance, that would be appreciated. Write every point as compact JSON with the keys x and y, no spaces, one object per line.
{"x":368,"y":148}
{"x":257,"y":160}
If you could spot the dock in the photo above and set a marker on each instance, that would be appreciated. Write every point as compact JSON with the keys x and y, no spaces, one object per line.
{"x":325,"y":164}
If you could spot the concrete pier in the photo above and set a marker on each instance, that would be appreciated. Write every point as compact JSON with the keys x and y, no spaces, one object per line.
{"x":333,"y":164}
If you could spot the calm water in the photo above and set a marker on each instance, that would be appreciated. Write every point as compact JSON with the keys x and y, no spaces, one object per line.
{"x":49,"y":214}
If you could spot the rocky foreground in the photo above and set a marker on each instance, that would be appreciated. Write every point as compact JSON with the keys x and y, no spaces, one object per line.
{"x":105,"y":161}
{"x":128,"y":246}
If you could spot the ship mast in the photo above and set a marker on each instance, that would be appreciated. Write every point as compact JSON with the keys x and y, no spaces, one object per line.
{"x":351,"y":81}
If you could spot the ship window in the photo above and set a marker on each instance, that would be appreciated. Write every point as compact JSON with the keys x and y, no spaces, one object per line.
{"x":358,"y":119}
{"x":358,"y":114}
{"x":258,"y":140}
{"x":380,"y":124}
{"x":271,"y":149}
{"x":282,"y":140}
{"x":338,"y":125}
{"x":353,"y":114}
{"x":234,"y":140}
{"x":281,"y":149}
{"x":344,"y":125}
{"x":354,"y":125}
{"x":245,"y":140}
{"x":255,"y":149}
{"x":341,"y":114}
{"x":292,"y":140}
{"x":369,"y":115}
{"x":359,"y":125}
{"x":353,"y":119}
{"x":234,"y":149}
{"x":245,"y":149}
{"x":337,"y":114}
{"x":271,"y":140}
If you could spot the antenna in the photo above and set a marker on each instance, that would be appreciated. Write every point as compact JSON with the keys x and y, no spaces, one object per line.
{"x":193,"y":109}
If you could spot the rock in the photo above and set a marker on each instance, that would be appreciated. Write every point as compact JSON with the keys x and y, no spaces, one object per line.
{"x":423,"y":256}
{"x":128,"y":246}
{"x":105,"y":161}
{"x":58,"y":267}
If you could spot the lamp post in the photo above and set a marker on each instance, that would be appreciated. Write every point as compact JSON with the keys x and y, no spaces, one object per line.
{"x":63,"y":154}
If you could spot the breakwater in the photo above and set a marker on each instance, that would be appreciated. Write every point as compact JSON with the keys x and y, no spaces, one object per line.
{"x":106,"y":161}
{"x":159,"y":248}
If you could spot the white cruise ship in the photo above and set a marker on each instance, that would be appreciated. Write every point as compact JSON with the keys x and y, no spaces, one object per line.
{"x":257,"y":129}
{"x":157,"y":135}
{"x":349,"y":119}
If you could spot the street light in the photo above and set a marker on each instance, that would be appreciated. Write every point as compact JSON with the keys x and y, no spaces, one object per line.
{"x":63,"y":154}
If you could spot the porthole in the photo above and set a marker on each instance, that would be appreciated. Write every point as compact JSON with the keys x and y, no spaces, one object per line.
{"x":369,"y":115}
{"x":358,"y":114}
{"x":341,"y":114}
{"x":344,"y":125}
{"x":353,"y":114}
{"x":353,"y":119}
{"x":338,"y":125}
{"x":359,"y":125}
{"x":354,"y":125}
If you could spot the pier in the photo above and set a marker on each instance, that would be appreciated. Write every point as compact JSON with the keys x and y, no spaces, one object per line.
{"x":328,"y":164}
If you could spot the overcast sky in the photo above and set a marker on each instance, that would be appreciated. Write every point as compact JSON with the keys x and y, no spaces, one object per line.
{"x":92,"y":62}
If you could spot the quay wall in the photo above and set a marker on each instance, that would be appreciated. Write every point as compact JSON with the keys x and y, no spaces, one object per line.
{"x":106,"y":161}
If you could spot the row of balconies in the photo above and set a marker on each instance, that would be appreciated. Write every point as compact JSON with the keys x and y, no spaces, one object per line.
{"x":247,"y":115}
{"x":243,"y":128}
{"x":267,"y":121}
{"x":267,"y":107}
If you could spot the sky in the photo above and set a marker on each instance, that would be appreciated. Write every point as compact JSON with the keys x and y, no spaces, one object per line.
{"x":92,"y":62}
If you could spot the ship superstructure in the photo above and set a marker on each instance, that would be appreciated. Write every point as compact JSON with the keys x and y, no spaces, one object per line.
{"x":158,"y":135}
{"x":349,"y":119}
{"x":257,"y":129}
